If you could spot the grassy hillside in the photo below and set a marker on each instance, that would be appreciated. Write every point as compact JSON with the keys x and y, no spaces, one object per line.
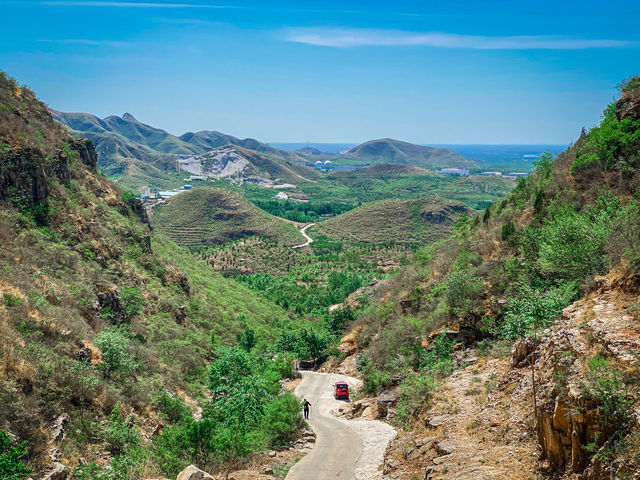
{"x":388,"y":150}
{"x":406,"y":222}
{"x":100,"y":317}
{"x":208,"y":216}
{"x":567,"y":236}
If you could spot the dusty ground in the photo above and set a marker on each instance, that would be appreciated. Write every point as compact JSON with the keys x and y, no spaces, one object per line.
{"x":476,"y":429}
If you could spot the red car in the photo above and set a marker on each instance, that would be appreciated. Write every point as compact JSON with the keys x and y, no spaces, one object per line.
{"x":342,"y":390}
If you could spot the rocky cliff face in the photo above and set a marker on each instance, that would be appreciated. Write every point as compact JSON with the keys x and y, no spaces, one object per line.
{"x":589,"y":367}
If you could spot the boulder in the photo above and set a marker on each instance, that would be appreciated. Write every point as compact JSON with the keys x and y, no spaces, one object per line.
{"x":57,"y":471}
{"x":445,"y":448}
{"x":436,"y":421}
{"x":194,"y":473}
{"x":521,"y":351}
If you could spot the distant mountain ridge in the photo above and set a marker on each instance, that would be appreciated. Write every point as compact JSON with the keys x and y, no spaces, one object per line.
{"x":144,"y":155}
{"x":139,"y":154}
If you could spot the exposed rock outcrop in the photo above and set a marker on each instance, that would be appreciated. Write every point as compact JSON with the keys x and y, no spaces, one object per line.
{"x":194,"y":473}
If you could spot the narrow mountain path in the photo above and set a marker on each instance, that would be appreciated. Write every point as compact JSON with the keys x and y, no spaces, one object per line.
{"x":303,"y":231}
{"x":345,"y":449}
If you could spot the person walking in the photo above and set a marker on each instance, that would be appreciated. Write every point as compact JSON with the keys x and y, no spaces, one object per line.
{"x":306,"y":406}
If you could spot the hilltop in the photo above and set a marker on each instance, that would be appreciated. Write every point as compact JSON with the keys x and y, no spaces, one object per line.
{"x":388,"y":150}
{"x":207,"y":216}
{"x":405,"y":222}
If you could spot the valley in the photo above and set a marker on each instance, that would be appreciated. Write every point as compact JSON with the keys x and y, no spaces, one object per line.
{"x":488,"y":326}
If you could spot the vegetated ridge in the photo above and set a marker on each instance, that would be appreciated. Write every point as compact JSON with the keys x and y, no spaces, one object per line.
{"x":520,"y":333}
{"x":407,"y":222}
{"x":108,"y":329}
{"x":207,"y":216}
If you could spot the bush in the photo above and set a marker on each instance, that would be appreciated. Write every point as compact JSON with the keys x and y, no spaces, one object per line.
{"x":460,"y":288}
{"x":373,"y":379}
{"x":11,"y":465}
{"x":282,"y":420}
{"x":116,"y":346}
{"x":132,"y":302}
{"x":171,"y":407}
{"x":606,"y":386}
{"x":121,"y":436}
{"x":415,"y":393}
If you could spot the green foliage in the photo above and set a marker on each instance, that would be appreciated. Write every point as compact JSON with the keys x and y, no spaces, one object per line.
{"x":12,"y":466}
{"x":171,"y":407}
{"x":121,"y":436}
{"x":460,"y":286}
{"x":415,"y":393}
{"x":630,"y":84}
{"x":338,"y":319}
{"x":531,"y":309}
{"x":302,"y":212}
{"x":606,"y":386}
{"x":612,"y":144}
{"x":373,"y":378}
{"x":132,"y":302}
{"x":115,"y":344}
{"x":436,"y":358}
{"x":12,"y":301}
{"x":282,"y":420}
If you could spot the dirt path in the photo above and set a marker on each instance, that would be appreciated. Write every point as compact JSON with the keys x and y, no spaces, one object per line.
{"x":345,"y":449}
{"x":303,"y":231}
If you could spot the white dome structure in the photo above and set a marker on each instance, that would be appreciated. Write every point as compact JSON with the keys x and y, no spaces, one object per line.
{"x":328,"y":165}
{"x":318,"y":164}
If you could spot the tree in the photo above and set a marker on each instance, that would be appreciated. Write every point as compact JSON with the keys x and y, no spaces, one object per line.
{"x":239,"y":395}
{"x":530,"y":310}
{"x":11,"y":465}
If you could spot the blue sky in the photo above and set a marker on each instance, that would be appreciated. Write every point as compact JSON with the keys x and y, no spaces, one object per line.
{"x":328,"y":71}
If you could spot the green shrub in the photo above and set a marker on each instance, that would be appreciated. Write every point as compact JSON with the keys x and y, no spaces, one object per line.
{"x":460,"y":288}
{"x":132,"y":302}
{"x":12,"y":466}
{"x":120,"y":435}
{"x":282,"y":420}
{"x":373,"y":379}
{"x":11,"y":300}
{"x":606,"y":386}
{"x":115,"y":345}
{"x":415,"y":393}
{"x":171,"y":407}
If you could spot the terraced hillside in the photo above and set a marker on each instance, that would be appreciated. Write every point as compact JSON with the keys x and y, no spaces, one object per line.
{"x":394,"y":221}
{"x":209,"y":216}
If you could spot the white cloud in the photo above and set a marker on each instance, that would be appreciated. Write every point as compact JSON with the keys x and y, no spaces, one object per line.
{"x":345,"y":38}
{"x":88,"y":3}
{"x":90,"y":43}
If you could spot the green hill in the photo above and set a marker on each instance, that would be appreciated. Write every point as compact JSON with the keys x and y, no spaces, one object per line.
{"x":96,"y":309}
{"x":388,"y":150}
{"x":408,"y":222}
{"x":542,"y":290}
{"x":208,"y":216}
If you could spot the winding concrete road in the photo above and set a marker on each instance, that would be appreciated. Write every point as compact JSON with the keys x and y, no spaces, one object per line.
{"x":303,"y":231}
{"x":344,"y":449}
